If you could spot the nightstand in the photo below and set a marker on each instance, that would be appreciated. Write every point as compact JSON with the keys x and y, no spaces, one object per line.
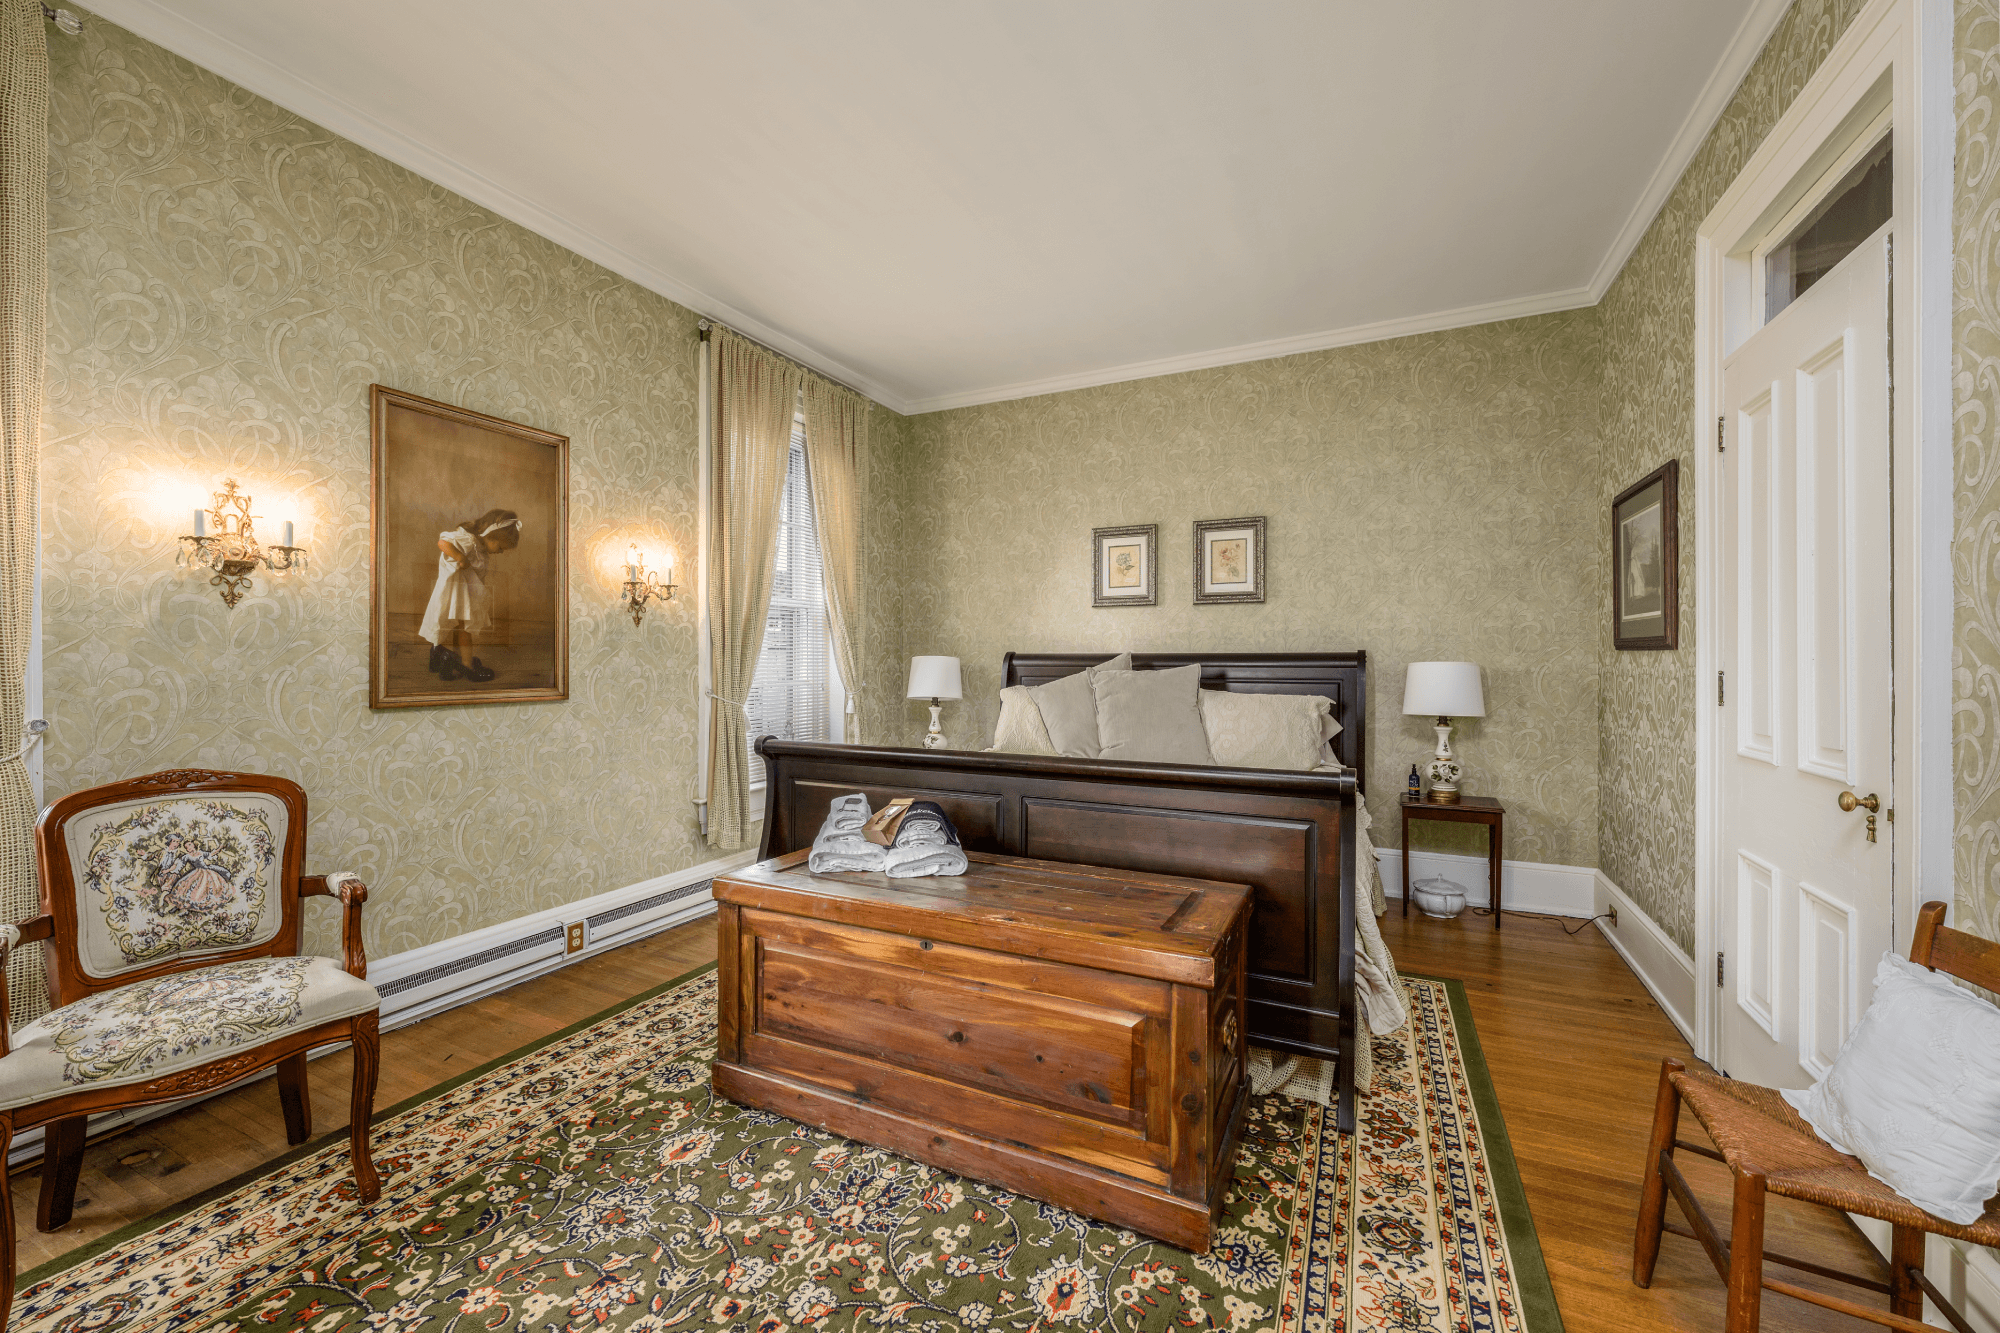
{"x":1465,"y":810}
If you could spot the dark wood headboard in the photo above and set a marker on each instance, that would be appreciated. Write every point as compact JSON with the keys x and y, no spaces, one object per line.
{"x":1341,"y":677}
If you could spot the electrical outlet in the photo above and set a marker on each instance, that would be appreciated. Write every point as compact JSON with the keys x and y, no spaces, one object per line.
{"x":575,"y":937}
{"x":1613,"y":914}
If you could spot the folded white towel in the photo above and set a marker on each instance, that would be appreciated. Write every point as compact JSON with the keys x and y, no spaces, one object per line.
{"x":840,"y":844}
{"x":925,"y":844}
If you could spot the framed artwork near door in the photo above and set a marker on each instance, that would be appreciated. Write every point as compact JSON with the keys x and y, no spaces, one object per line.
{"x":1645,"y":562}
{"x":469,"y":582}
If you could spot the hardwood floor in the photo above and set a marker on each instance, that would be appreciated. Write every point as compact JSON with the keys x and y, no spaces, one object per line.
{"x":1574,"y":1044}
{"x":1572,"y":1040}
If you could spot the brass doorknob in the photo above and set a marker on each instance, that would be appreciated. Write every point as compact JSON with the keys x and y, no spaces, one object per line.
{"x":1850,"y":802}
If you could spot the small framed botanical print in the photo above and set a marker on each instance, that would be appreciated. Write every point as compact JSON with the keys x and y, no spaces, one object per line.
{"x":1122,"y":566}
{"x":1645,"y":562}
{"x":1228,"y":560}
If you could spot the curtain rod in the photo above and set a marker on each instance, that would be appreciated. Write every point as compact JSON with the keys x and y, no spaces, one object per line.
{"x":703,"y":325}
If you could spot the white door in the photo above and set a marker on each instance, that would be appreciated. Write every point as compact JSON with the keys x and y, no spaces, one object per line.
{"x":1808,"y":899}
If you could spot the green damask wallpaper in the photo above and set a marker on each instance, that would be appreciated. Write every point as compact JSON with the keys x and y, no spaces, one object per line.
{"x":1647,"y":700}
{"x":1976,"y":517}
{"x":227,"y":280}
{"x":1430,"y":497}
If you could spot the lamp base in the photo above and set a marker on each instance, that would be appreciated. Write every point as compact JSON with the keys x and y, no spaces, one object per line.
{"x":1443,"y":770}
{"x":934,"y":738}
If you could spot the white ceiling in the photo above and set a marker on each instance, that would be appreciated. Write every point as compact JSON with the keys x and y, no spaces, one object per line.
{"x":947,"y":203}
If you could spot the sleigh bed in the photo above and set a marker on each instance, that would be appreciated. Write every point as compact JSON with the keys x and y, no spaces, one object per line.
{"x":1289,"y":835}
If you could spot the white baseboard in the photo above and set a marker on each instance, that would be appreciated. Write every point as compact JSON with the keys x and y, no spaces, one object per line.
{"x":428,"y":980}
{"x":1525,"y":886}
{"x":1968,"y":1275}
{"x":1658,"y":962}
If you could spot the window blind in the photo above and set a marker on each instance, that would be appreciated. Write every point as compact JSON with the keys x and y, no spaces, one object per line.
{"x":788,"y":695}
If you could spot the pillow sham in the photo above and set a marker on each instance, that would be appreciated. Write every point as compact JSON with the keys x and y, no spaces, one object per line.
{"x":1915,"y":1092}
{"x":1282,"y":731}
{"x":1069,"y":708}
{"x":1020,"y":729}
{"x":1151,"y":716}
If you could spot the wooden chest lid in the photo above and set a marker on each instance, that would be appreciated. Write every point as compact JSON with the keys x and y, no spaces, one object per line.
{"x":1115,"y":920}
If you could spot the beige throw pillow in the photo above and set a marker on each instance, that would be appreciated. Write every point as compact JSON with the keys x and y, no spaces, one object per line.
{"x":1020,"y":729}
{"x":1069,"y":708}
{"x":1151,"y":716}
{"x":1281,"y":731}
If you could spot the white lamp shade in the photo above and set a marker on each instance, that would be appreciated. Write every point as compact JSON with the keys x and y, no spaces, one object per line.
{"x":934,"y":678}
{"x":1443,"y":689}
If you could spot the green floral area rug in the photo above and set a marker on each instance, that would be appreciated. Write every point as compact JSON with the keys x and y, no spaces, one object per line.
{"x":593,"y":1182}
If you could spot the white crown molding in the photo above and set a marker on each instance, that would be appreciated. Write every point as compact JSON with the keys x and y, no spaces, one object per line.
{"x":212,"y":51}
{"x":219,"y":55}
{"x":1464,"y":317}
{"x":1743,"y":49}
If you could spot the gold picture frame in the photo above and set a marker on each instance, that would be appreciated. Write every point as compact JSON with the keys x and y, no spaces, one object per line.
{"x":468,"y":586}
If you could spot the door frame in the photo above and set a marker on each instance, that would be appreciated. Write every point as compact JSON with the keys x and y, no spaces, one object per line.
{"x":1896,"y":54}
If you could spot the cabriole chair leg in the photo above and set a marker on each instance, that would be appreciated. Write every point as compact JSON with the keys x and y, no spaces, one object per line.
{"x":296,"y":1098}
{"x":1653,"y":1195}
{"x":367,"y":1060}
{"x":62,"y":1165}
{"x":1746,"y":1254}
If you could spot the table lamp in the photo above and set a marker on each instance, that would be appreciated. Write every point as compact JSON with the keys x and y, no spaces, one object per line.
{"x":1443,"y":690}
{"x":936,"y":679}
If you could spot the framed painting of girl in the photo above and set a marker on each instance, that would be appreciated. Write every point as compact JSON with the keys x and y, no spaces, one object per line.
{"x":469,"y":586}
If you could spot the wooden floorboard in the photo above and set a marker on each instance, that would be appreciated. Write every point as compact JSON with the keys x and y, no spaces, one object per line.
{"x":1571,"y":1037}
{"x":1574,"y":1044}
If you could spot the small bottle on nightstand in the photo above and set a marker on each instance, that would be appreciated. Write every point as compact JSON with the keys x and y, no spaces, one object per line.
{"x":1416,"y":783}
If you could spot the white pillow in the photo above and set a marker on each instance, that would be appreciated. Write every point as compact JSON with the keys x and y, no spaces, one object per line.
{"x":1020,"y":729}
{"x":1069,"y":709}
{"x":1283,"y":731}
{"x":1915,"y":1092}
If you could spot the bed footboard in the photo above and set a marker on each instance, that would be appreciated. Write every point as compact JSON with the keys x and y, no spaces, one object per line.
{"x":1290,"y":836}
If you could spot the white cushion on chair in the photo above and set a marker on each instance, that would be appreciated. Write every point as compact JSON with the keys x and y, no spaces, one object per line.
{"x":149,"y":1029}
{"x":1915,"y":1092}
{"x":166,"y":877}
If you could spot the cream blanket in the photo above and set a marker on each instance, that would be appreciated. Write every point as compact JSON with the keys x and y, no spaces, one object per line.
{"x":1378,"y":989}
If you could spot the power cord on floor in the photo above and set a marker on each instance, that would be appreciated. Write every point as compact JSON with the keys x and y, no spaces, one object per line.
{"x":1544,"y":916}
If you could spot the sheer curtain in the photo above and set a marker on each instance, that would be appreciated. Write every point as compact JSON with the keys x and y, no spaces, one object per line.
{"x":753,"y":399}
{"x":24,"y":299}
{"x":836,"y":436}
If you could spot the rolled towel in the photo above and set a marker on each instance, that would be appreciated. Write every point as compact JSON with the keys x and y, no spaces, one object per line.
{"x":926,"y":844}
{"x":840,"y":845}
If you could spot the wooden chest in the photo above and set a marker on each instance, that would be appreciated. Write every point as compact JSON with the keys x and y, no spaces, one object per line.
{"x":1072,"y":1033}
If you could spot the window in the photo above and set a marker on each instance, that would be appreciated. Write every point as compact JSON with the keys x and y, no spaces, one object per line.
{"x":1852,"y":211}
{"x":791,"y":696}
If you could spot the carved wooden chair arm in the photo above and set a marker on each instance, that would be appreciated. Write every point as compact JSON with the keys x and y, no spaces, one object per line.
{"x":12,"y":936}
{"x":352,"y":893}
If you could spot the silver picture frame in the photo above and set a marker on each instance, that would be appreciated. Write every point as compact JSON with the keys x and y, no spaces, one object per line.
{"x":1228,"y":560}
{"x":1125,"y":566}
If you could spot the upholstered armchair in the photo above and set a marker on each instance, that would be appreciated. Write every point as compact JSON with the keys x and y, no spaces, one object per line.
{"x":170,"y":927}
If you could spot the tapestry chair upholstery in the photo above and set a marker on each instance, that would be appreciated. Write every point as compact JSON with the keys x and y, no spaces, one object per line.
{"x":171,"y":910}
{"x":1770,"y":1149}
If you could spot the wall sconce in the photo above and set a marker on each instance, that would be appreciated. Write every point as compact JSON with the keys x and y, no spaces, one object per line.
{"x":641,"y":587}
{"x":225,"y":541}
